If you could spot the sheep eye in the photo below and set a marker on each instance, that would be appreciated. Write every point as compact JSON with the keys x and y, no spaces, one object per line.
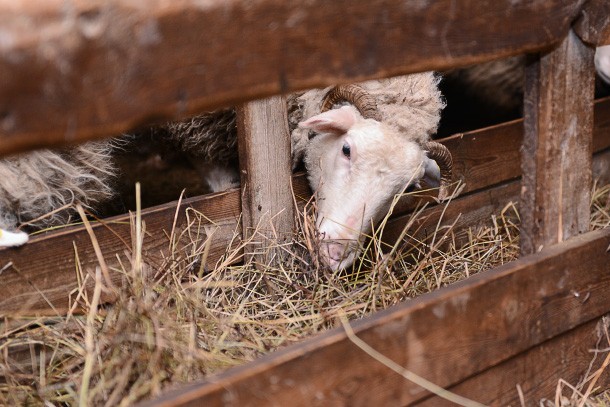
{"x":346,"y":150}
{"x":410,"y":188}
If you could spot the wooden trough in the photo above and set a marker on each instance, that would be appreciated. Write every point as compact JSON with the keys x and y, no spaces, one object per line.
{"x":65,"y":77}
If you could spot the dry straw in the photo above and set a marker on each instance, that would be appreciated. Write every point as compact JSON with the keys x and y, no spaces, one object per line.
{"x":179,"y":321}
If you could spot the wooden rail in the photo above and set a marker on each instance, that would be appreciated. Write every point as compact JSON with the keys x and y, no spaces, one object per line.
{"x":46,"y":265}
{"x":77,"y":70}
{"x":471,"y":326}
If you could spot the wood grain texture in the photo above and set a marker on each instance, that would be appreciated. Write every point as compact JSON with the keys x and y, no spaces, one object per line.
{"x":43,"y":272}
{"x":46,"y":265}
{"x":491,"y":155}
{"x":537,"y":371}
{"x":473,"y":209}
{"x":556,"y":153}
{"x":445,"y":336}
{"x":265,"y":161}
{"x":593,"y":23}
{"x":75,"y":70}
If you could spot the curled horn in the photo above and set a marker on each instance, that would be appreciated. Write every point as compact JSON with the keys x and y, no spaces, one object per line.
{"x":357,"y":96}
{"x":442,"y":156}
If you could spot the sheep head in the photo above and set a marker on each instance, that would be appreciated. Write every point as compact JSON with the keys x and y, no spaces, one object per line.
{"x":356,"y":165}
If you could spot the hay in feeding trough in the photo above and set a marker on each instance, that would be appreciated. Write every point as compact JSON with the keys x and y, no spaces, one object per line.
{"x":177,"y":321}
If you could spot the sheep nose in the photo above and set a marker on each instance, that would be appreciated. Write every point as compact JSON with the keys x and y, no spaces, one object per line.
{"x":336,"y":254}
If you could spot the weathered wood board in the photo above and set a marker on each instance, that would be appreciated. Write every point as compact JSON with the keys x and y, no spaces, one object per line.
{"x":446,"y":336}
{"x":537,"y":371}
{"x":76,"y":70}
{"x":266,"y":168}
{"x":556,"y":162}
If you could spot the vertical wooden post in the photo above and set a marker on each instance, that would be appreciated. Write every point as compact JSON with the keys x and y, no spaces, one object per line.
{"x":264,"y":156}
{"x":557,"y":146}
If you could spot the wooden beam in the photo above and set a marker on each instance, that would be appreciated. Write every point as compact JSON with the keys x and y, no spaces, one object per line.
{"x":556,"y":160}
{"x":42,"y":273}
{"x":46,"y":265}
{"x":593,"y":23}
{"x":445,"y":336}
{"x":537,"y":371}
{"x":75,"y":70}
{"x":474,"y":209}
{"x":266,"y":171}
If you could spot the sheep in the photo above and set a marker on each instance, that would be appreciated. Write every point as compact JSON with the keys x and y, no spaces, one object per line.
{"x":210,"y":142}
{"x":350,"y":137}
{"x":382,"y":140}
{"x":38,"y":189}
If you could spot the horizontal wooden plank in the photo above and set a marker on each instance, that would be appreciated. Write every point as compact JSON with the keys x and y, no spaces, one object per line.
{"x":593,"y":23}
{"x":537,"y":371}
{"x":77,"y":70}
{"x":46,"y":265}
{"x":445,"y":336}
{"x":491,"y":155}
{"x":469,"y":211}
{"x":43,"y":271}
{"x":474,"y":209}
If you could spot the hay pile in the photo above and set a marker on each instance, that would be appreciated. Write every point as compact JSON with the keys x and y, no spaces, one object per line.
{"x":179,"y":322}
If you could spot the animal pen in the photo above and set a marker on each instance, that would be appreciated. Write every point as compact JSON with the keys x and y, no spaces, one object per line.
{"x":61,"y":85}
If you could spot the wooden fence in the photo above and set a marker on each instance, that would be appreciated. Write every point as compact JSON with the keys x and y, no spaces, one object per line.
{"x":67,"y":75}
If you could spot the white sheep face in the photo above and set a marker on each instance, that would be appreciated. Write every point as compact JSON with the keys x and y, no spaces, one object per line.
{"x":602,"y":62}
{"x":356,"y":166}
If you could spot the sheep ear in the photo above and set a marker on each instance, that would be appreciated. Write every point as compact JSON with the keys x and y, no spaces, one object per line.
{"x":432,"y":173}
{"x":334,"y":121}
